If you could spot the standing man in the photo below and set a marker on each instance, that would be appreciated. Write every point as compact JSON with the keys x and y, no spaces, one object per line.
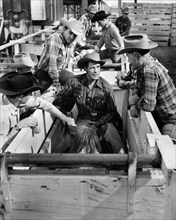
{"x":95,"y":101}
{"x":154,"y":90}
{"x":110,"y":37}
{"x":123,"y":22}
{"x":86,"y":20}
{"x":51,"y":69}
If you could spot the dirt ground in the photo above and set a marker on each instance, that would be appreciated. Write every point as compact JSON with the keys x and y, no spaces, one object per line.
{"x":167,"y":56}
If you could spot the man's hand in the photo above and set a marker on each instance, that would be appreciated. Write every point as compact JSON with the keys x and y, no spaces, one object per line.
{"x":134,"y":111}
{"x":28,"y":122}
{"x":71,"y":121}
{"x":133,"y":100}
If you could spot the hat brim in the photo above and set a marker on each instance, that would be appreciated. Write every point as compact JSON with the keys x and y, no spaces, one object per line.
{"x":81,"y":63}
{"x":14,"y":65}
{"x":88,"y":11}
{"x":96,"y":18}
{"x":5,"y":90}
{"x":65,"y":22}
{"x":130,"y":49}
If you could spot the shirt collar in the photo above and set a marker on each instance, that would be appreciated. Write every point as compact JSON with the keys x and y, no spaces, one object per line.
{"x":6,"y":101}
{"x":107,"y":25}
{"x":85,"y":81}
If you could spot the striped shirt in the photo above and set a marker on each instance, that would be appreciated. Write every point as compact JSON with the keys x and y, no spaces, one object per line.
{"x":55,"y":56}
{"x":110,"y":37}
{"x":98,"y":103}
{"x":156,"y":89}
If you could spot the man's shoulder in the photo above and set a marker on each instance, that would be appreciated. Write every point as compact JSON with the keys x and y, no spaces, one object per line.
{"x":105,"y":83}
{"x":55,"y":37}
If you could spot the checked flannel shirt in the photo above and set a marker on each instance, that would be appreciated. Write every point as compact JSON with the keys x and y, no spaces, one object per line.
{"x":155,"y":89}
{"x":98,"y":103}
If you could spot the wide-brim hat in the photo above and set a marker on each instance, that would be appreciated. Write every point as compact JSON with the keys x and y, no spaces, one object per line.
{"x":91,"y":9}
{"x":22,"y":60}
{"x":74,"y":25}
{"x":13,"y":83}
{"x":136,"y":42}
{"x":100,"y":15}
{"x":90,"y":57}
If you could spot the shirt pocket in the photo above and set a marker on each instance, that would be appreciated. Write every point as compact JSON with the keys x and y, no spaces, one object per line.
{"x":98,"y":103}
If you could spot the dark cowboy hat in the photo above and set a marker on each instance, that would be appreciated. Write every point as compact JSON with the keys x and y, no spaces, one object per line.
{"x":136,"y":42}
{"x":90,"y":57}
{"x":15,"y":84}
{"x":100,"y":15}
{"x":92,"y":9}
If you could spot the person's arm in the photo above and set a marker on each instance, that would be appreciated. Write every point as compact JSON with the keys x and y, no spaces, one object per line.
{"x":147,"y":101}
{"x":99,"y":44}
{"x":39,"y":103}
{"x":55,"y":59}
{"x":116,"y":35}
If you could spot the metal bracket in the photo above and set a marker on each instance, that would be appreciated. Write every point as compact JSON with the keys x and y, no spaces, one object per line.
{"x":4,"y":185}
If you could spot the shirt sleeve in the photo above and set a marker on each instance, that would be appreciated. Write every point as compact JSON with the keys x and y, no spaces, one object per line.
{"x":148,"y":98}
{"x":54,"y":58}
{"x":100,"y":42}
{"x":116,"y":35}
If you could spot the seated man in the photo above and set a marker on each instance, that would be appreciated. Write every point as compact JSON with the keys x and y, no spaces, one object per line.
{"x":95,"y":102}
{"x":110,"y":38}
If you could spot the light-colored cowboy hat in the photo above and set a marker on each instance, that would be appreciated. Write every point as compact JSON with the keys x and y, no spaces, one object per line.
{"x":91,"y":9}
{"x":15,"y":84}
{"x":90,"y":57}
{"x":100,"y":15}
{"x":74,"y":25}
{"x":22,"y":60}
{"x":136,"y":42}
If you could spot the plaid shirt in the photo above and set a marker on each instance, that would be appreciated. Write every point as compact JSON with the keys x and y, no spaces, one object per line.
{"x":98,"y":103}
{"x":156,"y":89}
{"x":110,"y":37}
{"x":55,"y":56}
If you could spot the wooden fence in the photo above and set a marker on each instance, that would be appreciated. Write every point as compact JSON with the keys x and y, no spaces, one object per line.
{"x":158,"y":21}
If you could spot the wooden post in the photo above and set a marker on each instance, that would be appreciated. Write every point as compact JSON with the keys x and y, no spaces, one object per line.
{"x":168,"y":154}
{"x":131,"y":184}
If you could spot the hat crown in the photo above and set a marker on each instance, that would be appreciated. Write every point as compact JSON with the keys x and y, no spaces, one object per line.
{"x":26,"y":59}
{"x":20,"y":82}
{"x":100,"y":15}
{"x":93,"y":56}
{"x":136,"y":41}
{"x":125,"y":10}
{"x":73,"y":24}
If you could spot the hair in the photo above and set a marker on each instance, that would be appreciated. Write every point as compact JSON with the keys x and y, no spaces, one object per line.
{"x":86,"y":138}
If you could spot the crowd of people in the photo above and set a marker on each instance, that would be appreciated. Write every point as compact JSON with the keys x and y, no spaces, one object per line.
{"x":48,"y":84}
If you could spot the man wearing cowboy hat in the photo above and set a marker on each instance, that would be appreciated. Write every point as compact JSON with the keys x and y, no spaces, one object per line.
{"x":94,"y":99}
{"x":55,"y":56}
{"x":110,"y":37}
{"x":15,"y":93}
{"x":123,"y":22}
{"x":154,"y":90}
{"x":86,"y":19}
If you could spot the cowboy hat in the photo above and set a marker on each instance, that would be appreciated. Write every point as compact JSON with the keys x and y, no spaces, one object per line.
{"x":136,"y":42}
{"x":22,"y":60}
{"x":100,"y":15}
{"x":16,"y":84}
{"x":125,"y":10}
{"x":91,"y":9}
{"x":90,"y":57}
{"x":74,"y":25}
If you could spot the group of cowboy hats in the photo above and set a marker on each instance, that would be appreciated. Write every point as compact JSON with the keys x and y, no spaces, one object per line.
{"x":132,"y":43}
